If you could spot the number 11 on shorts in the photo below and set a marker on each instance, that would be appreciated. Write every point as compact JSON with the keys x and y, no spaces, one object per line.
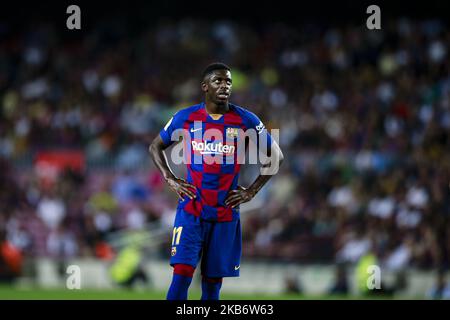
{"x":176,"y":235}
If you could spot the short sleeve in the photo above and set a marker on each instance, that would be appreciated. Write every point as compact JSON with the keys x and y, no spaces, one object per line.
{"x":264,"y":139}
{"x":174,"y":123}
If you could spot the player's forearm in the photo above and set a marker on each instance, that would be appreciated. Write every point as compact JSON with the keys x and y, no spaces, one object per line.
{"x":257,"y":185}
{"x":159,"y":158}
{"x":268,"y":170}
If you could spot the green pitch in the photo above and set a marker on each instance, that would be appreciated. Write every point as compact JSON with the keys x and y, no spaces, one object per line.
{"x":116,"y":294}
{"x":10,"y":293}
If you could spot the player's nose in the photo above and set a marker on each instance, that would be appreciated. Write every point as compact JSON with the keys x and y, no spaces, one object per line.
{"x":224,"y":86}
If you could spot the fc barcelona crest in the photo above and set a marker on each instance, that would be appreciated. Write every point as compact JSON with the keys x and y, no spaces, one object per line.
{"x":232,"y":133}
{"x":174,"y":251}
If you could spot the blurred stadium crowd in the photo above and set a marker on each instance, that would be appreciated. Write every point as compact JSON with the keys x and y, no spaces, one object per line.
{"x":364,"y":119}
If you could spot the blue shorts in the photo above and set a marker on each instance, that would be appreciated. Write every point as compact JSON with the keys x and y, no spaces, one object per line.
{"x":217,"y":244}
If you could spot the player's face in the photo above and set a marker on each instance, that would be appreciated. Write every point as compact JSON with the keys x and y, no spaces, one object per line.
{"x":218,"y":86}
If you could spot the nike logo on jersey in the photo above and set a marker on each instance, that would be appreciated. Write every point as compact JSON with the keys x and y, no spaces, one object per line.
{"x":193,"y":130}
{"x":237,"y":267}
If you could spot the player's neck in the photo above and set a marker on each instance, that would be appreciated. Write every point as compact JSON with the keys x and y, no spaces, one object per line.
{"x":213,"y":108}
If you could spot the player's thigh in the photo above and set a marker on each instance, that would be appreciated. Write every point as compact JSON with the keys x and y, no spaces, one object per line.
{"x":186,"y":239}
{"x":222,"y":251}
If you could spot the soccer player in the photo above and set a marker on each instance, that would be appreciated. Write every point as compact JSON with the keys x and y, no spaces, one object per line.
{"x":207,"y":224}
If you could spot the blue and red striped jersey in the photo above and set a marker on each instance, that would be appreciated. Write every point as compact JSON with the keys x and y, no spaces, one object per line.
{"x":210,"y":150}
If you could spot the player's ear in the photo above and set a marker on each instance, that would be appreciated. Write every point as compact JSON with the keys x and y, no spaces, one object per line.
{"x":204,"y":86}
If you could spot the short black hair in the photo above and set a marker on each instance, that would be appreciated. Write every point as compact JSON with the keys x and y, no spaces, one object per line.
{"x":213,"y":67}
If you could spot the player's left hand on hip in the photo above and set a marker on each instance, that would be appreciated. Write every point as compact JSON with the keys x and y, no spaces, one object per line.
{"x":238,"y":196}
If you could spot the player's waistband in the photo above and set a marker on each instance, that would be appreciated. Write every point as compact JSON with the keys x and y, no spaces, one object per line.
{"x":211,"y":214}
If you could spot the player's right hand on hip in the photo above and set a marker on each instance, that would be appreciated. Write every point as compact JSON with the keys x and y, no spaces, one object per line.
{"x":182,"y":188}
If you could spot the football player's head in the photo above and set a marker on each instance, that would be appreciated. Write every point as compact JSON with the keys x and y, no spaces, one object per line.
{"x":217,"y":83}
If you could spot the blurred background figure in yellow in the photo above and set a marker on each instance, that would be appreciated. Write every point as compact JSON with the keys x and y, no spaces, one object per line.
{"x":127,"y":269}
